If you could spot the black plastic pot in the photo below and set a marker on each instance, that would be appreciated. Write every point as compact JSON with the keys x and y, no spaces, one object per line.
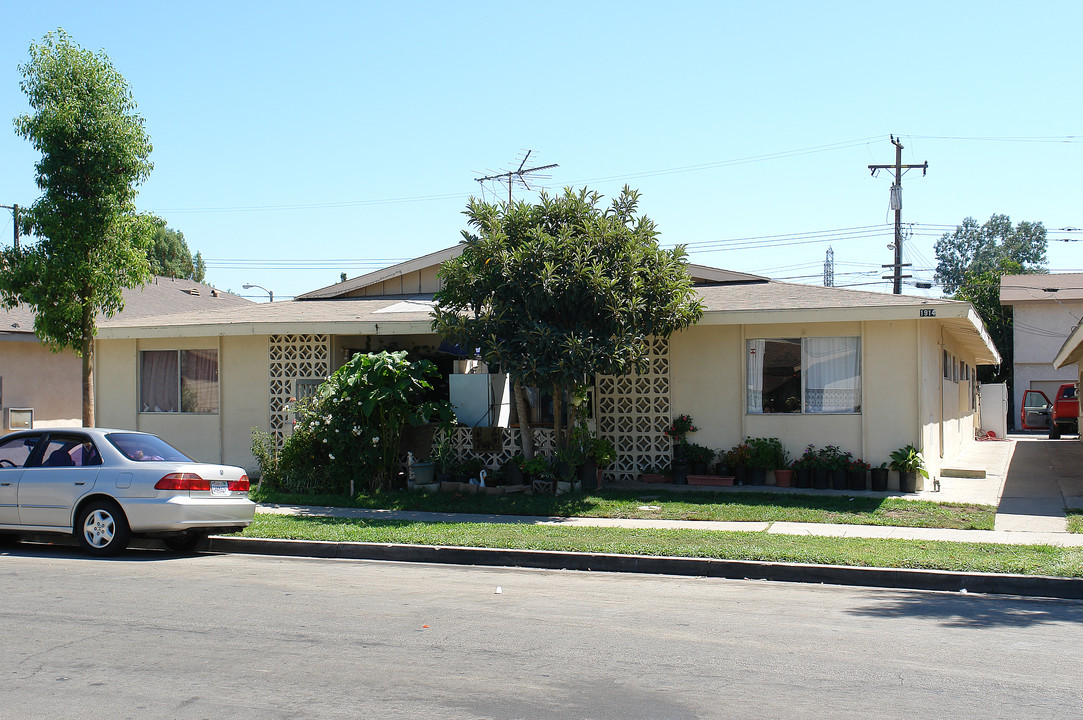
{"x":821,"y":480}
{"x":908,"y":481}
{"x":879,"y":479}
{"x":740,"y":475}
{"x":588,"y":475}
{"x":680,"y":473}
{"x":802,"y":478}
{"x":857,"y":480}
{"x":838,"y":480}
{"x":757,"y":476}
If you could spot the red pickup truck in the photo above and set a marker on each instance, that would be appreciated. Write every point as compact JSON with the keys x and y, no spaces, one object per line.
{"x":1058,"y":417}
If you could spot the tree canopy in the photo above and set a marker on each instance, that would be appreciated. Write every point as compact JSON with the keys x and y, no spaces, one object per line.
{"x":169,"y":255}
{"x":972,"y":259}
{"x":90,"y":242}
{"x":557,"y":292}
{"x":976,"y":249}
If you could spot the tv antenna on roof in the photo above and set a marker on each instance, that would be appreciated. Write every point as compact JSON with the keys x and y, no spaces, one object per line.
{"x":511,"y":176}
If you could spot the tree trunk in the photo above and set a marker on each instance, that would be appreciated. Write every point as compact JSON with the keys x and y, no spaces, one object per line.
{"x":558,"y":430}
{"x":526,"y":436}
{"x":88,"y":365}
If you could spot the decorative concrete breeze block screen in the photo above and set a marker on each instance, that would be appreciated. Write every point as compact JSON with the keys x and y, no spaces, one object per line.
{"x":633,"y":412}
{"x":297,"y":363}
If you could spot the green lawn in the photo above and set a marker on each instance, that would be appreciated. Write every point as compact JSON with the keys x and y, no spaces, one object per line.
{"x":1075,"y":521}
{"x":669,"y":505}
{"x":972,"y":557}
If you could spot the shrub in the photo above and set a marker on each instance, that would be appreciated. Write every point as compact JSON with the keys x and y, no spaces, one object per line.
{"x":353,"y":424}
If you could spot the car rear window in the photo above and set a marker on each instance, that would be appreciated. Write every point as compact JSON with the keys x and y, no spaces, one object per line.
{"x":146,"y":448}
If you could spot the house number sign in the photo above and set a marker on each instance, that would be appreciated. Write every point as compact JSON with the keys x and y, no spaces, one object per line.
{"x":926,"y":312}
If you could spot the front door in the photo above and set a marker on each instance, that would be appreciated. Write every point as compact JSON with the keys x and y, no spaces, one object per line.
{"x":1036,"y":411}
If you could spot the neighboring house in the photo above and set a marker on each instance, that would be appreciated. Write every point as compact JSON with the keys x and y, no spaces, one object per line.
{"x":1069,"y":356}
{"x":1045,"y":307}
{"x":867,"y":371}
{"x":32,"y":377}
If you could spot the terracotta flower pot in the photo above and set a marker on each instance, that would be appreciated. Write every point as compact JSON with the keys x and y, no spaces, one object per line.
{"x":783,"y":478}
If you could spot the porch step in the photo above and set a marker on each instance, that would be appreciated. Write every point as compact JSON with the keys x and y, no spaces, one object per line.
{"x":962,"y":473}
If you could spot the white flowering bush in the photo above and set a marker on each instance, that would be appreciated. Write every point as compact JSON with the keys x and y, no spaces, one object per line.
{"x":349,"y":431}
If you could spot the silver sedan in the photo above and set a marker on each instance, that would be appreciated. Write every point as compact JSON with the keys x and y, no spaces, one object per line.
{"x":104,"y":486}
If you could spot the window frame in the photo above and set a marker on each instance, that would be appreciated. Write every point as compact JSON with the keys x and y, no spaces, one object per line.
{"x":180,"y":365}
{"x":803,"y":411}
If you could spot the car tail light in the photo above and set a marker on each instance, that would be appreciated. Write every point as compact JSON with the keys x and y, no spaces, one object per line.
{"x":182,"y":481}
{"x":239,"y":485}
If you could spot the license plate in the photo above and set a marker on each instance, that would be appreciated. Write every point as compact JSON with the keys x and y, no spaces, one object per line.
{"x":219,"y":487}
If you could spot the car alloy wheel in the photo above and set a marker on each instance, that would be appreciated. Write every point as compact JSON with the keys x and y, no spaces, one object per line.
{"x":102,"y":528}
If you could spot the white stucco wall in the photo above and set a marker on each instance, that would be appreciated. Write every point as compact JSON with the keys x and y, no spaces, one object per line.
{"x":901,"y":391}
{"x":222,"y":437}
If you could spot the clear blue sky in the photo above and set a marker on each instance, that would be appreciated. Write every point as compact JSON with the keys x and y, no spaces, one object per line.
{"x":295,"y":141}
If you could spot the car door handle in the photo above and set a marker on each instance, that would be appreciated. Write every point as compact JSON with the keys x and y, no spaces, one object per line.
{"x":5,"y":484}
{"x":80,"y":482}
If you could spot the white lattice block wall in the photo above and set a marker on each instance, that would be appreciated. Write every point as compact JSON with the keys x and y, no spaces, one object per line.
{"x":462,"y":445}
{"x":293,"y":358}
{"x":633,"y":412}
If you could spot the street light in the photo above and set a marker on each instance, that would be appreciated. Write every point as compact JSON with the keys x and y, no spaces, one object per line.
{"x":249,"y":286}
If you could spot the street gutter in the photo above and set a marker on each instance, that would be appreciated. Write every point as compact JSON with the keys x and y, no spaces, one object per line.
{"x":895,"y":578}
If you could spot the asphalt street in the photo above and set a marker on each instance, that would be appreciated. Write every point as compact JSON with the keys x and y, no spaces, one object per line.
{"x":154,"y":634}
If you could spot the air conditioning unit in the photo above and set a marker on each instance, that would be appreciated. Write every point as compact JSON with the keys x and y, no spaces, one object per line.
{"x":19,"y":419}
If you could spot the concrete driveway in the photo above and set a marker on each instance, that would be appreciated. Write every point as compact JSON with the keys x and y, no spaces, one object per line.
{"x":1044,"y":476}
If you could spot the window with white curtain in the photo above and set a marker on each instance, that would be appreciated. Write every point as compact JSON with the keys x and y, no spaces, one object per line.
{"x":178,"y":381}
{"x":804,"y":375}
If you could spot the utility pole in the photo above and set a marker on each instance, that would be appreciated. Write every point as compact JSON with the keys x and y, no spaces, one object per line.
{"x":14,"y":221}
{"x":510,"y":176}
{"x":829,"y":268}
{"x":896,"y":205}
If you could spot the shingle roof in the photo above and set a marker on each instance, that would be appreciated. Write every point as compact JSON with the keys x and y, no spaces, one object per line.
{"x":776,"y":295}
{"x":161,"y":296}
{"x":1023,"y":288}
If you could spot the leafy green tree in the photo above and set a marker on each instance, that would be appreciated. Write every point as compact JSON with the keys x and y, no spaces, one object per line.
{"x":970,"y":262}
{"x":560,"y":291}
{"x":974,"y":248}
{"x":169,"y":255}
{"x":91,"y":243}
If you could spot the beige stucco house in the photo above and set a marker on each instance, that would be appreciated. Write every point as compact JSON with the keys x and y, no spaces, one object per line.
{"x":1045,"y":308}
{"x":36,"y":382}
{"x":867,"y":371}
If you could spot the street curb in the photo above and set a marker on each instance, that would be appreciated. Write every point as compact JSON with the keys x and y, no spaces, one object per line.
{"x":894,"y":578}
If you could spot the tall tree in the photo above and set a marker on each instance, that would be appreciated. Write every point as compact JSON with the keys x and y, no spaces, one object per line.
{"x":560,"y":291}
{"x":169,"y":255}
{"x":91,"y":243}
{"x":970,"y":262}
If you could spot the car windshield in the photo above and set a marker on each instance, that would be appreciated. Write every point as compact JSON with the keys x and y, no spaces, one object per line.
{"x":146,"y":448}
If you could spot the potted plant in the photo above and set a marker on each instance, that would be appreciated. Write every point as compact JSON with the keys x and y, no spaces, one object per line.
{"x":539,"y":473}
{"x":766,"y":454}
{"x":513,"y":470}
{"x":908,"y":463}
{"x":879,"y":478}
{"x":654,"y":475}
{"x":804,"y":466}
{"x":739,"y":459}
{"x":856,"y":473}
{"x":678,"y":431}
{"x":699,"y":458}
{"x":443,"y":456}
{"x":835,"y":460}
{"x":422,"y":472}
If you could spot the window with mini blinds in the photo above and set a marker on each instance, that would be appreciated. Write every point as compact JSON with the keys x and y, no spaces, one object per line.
{"x":178,"y":381}
{"x":804,"y":375}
